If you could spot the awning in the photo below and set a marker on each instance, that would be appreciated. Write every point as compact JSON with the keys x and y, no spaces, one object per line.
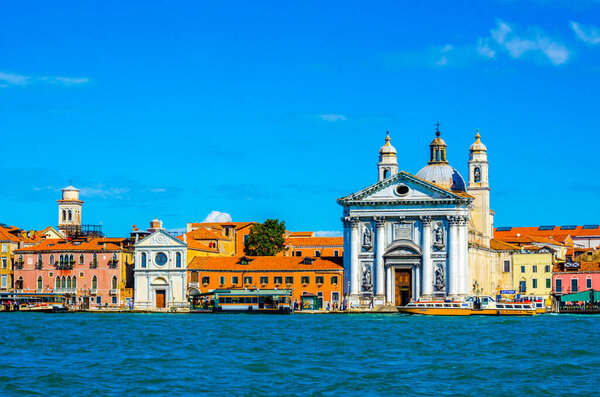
{"x":583,"y":296}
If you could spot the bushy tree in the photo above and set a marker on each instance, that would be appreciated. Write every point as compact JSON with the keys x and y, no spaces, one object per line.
{"x":266,"y":239}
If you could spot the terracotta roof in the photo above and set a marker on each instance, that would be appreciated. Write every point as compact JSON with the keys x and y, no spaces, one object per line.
{"x":203,"y":233}
{"x":237,"y":225}
{"x":502,"y":246}
{"x":315,"y":241}
{"x":555,"y":233}
{"x":259,"y":263}
{"x":583,"y":267}
{"x":526,"y":239}
{"x":197,"y":245}
{"x":93,"y":244}
{"x":301,"y":234}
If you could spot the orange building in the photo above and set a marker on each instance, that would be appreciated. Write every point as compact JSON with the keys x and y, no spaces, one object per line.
{"x":226,"y":237}
{"x":304,"y":244}
{"x":321,"y":276}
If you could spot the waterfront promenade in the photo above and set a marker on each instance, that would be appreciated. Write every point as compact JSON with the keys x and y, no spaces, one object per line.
{"x":373,"y":354}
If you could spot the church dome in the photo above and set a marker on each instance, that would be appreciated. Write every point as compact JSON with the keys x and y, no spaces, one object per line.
{"x":443,"y":175}
{"x":477,"y":146}
{"x":387,"y":148}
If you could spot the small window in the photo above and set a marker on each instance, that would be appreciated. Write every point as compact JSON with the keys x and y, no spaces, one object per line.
{"x":278,"y":280}
{"x":205,"y":280}
{"x":558,"y":285}
{"x":222,"y":280}
{"x":264,"y":280}
{"x":113,"y":283}
{"x":547,"y":269}
{"x":234,"y":280}
{"x":588,"y":283}
{"x":298,"y":253}
{"x":522,"y":269}
{"x":304,"y":280}
{"x":319,"y":279}
{"x":248,"y":280}
{"x":143,"y":259}
{"x":94,"y":282}
{"x":81,"y":259}
{"x":534,"y":268}
{"x":477,"y":174}
{"x":334,"y":279}
{"x":317,"y":253}
{"x":52,"y":259}
{"x":335,"y":296}
{"x":39,"y":283}
{"x":522,"y":286}
{"x":402,"y":190}
{"x":178,"y":260}
{"x":114,"y":300}
{"x":534,"y":283}
{"x":506,"y":266}
{"x":289,"y":280}
{"x":548,"y":283}
{"x":574,"y":285}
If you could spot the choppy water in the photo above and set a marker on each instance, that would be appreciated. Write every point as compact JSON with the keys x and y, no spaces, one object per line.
{"x":132,"y":354}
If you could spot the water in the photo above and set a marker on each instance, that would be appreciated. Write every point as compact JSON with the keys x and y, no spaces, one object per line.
{"x":175,"y":354}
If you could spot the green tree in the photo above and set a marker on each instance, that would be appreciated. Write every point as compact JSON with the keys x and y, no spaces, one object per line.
{"x":266,"y":239}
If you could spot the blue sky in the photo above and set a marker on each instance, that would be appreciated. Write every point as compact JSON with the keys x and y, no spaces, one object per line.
{"x":275,"y":109}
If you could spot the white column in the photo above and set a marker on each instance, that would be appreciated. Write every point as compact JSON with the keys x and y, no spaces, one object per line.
{"x":418,"y":275}
{"x":379,"y":249}
{"x":464,"y":257}
{"x":354,"y":265}
{"x":452,"y":275}
{"x":427,"y":265}
{"x":389,"y":292}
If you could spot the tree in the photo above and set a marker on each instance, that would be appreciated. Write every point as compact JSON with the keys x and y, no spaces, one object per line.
{"x":266,"y":239}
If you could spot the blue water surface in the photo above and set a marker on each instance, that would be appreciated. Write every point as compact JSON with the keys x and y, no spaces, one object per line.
{"x":362,"y":354}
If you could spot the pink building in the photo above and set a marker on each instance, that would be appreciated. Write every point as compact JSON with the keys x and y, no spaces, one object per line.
{"x":92,"y":272}
{"x":571,"y":277}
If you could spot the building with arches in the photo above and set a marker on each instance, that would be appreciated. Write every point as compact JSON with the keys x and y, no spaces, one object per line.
{"x":69,"y":209}
{"x":426,"y":236}
{"x":160,"y":272}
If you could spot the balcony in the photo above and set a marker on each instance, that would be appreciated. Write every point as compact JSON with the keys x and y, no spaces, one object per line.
{"x":94,"y":265}
{"x":194,"y":284}
{"x":114,"y":291}
{"x":39,"y":265}
{"x":113,"y":263}
{"x":93,"y":291}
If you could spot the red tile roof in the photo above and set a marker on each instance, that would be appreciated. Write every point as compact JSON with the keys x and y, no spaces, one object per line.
{"x":301,"y":234}
{"x":203,"y":233}
{"x":315,"y":242}
{"x":555,"y":233}
{"x":502,"y":246}
{"x":197,"y":245}
{"x":93,"y":244}
{"x":265,"y":263}
{"x":237,"y":225}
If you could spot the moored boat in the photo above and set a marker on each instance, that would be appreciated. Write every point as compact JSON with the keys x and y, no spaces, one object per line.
{"x":472,"y":306}
{"x":243,"y":301}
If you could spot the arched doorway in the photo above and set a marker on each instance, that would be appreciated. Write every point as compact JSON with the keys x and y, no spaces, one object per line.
{"x":403,"y":267}
{"x":160,"y":287}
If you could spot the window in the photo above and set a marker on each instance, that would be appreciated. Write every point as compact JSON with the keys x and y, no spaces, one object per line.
{"x":334,"y":279}
{"x":40,"y":260}
{"x":143,"y":259}
{"x":81,"y":259}
{"x":39,"y":283}
{"x":160,"y":259}
{"x":278,"y":280}
{"x":522,"y":269}
{"x":178,"y":260}
{"x":534,"y":268}
{"x":245,"y":239}
{"x":114,"y":300}
{"x":386,"y":174}
{"x":289,"y":280}
{"x":57,"y":282}
{"x":264,"y":280}
{"x":534,"y":283}
{"x":70,"y":215}
{"x":205,"y":280}
{"x":558,"y":285}
{"x":234,"y":280}
{"x":298,"y":253}
{"x":588,"y":283}
{"x":574,"y":285}
{"x":64,"y":215}
{"x":248,"y":280}
{"x":304,"y":280}
{"x":95,"y":259}
{"x":335,"y":296}
{"x":522,"y":286}
{"x":69,"y":282}
{"x":74,"y":282}
{"x":94,"y":282}
{"x":4,"y":263}
{"x":336,"y":253}
{"x":547,"y":269}
{"x":4,"y":247}
{"x":477,"y":174}
{"x":319,"y":279}
{"x":99,"y":300}
{"x":506,"y":266}
{"x":3,"y":282}
{"x":222,"y":280}
{"x":113,"y":283}
{"x":317,"y":253}
{"x":72,"y":260}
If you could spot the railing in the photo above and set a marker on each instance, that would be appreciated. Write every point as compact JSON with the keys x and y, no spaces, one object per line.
{"x":39,"y":265}
{"x":65,"y":290}
{"x":93,"y":291}
{"x":114,"y":291}
{"x":113,"y":264}
{"x":93,"y":264}
{"x":19,"y":265}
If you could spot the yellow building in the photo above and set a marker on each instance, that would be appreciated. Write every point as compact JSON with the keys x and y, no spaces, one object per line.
{"x":7,"y":245}
{"x":532,"y":274}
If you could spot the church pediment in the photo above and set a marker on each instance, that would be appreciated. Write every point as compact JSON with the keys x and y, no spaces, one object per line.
{"x":403,"y":188}
{"x":160,"y":238}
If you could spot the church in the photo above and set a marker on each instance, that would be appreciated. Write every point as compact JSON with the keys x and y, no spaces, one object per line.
{"x":411,"y":237}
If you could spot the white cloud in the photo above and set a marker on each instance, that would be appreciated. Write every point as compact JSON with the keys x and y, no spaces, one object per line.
{"x":483,"y":48}
{"x":103,"y":192}
{"x":588,"y":34}
{"x":217,"y":216}
{"x":11,"y":79}
{"x":332,"y":117}
{"x":328,"y":233}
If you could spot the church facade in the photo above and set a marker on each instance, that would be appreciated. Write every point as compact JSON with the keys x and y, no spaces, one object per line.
{"x":407,"y":237}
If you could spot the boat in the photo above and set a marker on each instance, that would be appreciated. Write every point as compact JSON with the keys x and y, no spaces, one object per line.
{"x":471,"y":306}
{"x":242,"y":301}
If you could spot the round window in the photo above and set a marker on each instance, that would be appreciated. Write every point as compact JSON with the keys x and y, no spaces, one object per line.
{"x":402,"y":190}
{"x":160,"y":259}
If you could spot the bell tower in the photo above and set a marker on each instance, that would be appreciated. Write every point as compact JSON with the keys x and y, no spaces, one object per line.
{"x":479,"y":188}
{"x":69,"y":209}
{"x":388,"y":163}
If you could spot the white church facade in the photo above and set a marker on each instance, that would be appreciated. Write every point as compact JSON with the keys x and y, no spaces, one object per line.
{"x":407,"y":236}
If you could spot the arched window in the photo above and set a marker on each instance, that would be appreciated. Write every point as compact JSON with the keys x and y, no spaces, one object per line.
{"x":61,"y":259}
{"x":71,"y":259}
{"x":178,"y":260}
{"x":69,"y":282}
{"x":20,"y":258}
{"x":94,"y":282}
{"x":477,"y":174}
{"x":39,"y":283}
{"x":57,"y":283}
{"x":113,"y":284}
{"x":74,"y":282}
{"x":19,"y":283}
{"x":64,"y":215}
{"x":70,"y":215}
{"x":386,"y":174}
{"x":81,"y":259}
{"x":52,"y":259}
{"x":143,"y":259}
{"x":63,"y":282}
{"x":40,"y":260}
{"x":95,"y":259}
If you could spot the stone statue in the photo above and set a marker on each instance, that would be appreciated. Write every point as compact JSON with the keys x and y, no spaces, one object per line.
{"x":439,"y":280}
{"x":367,"y":278}
{"x":367,"y":243}
{"x":438,"y":238}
